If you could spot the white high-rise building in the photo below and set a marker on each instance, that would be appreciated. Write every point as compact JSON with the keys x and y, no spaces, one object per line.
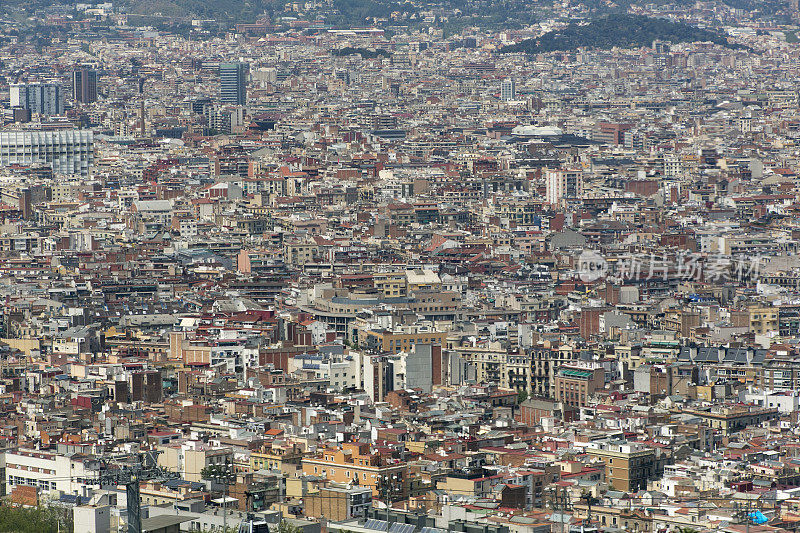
{"x":563,"y":183}
{"x":65,"y":151}
{"x":508,"y":90}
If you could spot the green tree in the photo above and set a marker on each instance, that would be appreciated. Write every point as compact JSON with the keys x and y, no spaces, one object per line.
{"x":618,"y":30}
{"x":522,"y":395}
{"x":42,"y":519}
{"x":286,"y":527}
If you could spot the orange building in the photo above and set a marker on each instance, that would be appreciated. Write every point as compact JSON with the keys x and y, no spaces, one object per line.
{"x":354,"y":463}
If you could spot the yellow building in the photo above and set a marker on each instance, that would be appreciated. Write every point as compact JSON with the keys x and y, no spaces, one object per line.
{"x":629,"y":466}
{"x":491,"y":361}
{"x":155,"y":493}
{"x":275,"y":458}
{"x":300,"y":253}
{"x":729,"y":419}
{"x":190,"y":461}
{"x":397,"y":341}
{"x":390,"y":284}
{"x":763,"y":319}
{"x":681,"y":321}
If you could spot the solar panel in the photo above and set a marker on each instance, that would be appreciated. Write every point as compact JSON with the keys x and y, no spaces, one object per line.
{"x":377,"y":525}
{"x":401,"y":528}
{"x":432,"y":530}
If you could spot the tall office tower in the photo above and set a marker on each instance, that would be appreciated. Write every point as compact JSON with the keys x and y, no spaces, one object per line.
{"x":508,"y":90}
{"x":233,"y":83}
{"x":68,"y":152}
{"x":42,"y":98}
{"x":84,"y":85}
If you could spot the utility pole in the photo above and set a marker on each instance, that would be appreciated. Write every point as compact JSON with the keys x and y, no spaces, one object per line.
{"x":743,"y":512}
{"x":566,"y":505}
{"x":386,"y":500}
{"x":143,"y":467}
{"x":225,"y":475}
{"x":387,"y":489}
{"x":555,"y":503}
{"x":561,"y":504}
{"x":589,"y":501}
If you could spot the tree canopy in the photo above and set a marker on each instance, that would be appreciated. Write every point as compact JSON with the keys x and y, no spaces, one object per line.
{"x":15,"y":519}
{"x":363,"y":52}
{"x":626,"y":31}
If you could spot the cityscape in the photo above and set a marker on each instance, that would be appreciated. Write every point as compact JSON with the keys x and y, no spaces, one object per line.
{"x":364,"y":266}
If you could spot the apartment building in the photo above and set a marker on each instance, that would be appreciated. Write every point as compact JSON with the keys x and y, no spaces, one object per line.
{"x":763,"y":319}
{"x":563,"y":184}
{"x":574,"y":385}
{"x":729,"y":419}
{"x":189,"y":458}
{"x":628,"y":466}
{"x":390,"y":284}
{"x":338,"y":502}
{"x":274,"y":457}
{"x":354,"y":461}
{"x":69,"y":152}
{"x":49,"y":471}
{"x":400,"y":339}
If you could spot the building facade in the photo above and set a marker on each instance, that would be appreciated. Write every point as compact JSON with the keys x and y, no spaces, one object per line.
{"x":84,"y":85}
{"x":41,"y":98}
{"x":354,"y":461}
{"x":563,"y":184}
{"x":68,"y":152}
{"x":628,"y":465}
{"x":233,"y":83}
{"x":508,"y":89}
{"x":574,"y":385}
